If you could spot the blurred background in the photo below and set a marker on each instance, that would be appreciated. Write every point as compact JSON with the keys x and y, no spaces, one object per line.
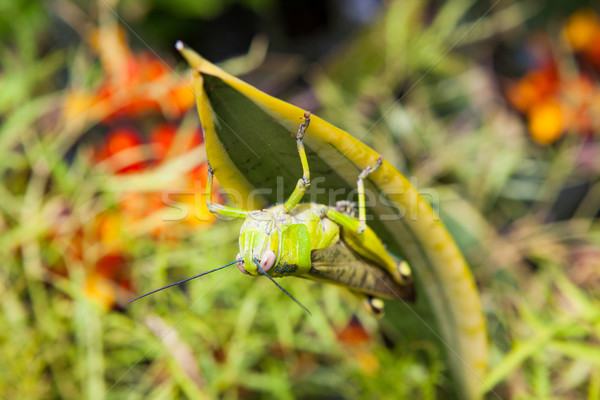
{"x":494,"y":104}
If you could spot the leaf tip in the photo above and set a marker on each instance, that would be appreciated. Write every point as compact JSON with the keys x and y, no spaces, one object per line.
{"x":194,"y":59}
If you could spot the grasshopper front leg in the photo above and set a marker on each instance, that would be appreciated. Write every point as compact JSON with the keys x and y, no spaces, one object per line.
{"x":218,"y":208}
{"x":304,"y":182}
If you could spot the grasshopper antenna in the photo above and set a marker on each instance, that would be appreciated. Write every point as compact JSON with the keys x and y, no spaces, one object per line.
{"x":279,"y":286}
{"x":185,"y":280}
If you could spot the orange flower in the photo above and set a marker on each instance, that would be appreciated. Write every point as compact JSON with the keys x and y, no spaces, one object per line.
{"x":536,"y":86}
{"x":578,"y":96}
{"x":100,"y":290}
{"x":582,"y":30}
{"x":122,"y":151}
{"x":106,"y":279}
{"x":134,"y":84}
{"x":164,"y":139}
{"x":114,"y":266}
{"x":355,"y":338}
{"x":545,"y":122}
{"x":109,"y":228}
{"x":110,"y":272}
{"x":593,"y":54}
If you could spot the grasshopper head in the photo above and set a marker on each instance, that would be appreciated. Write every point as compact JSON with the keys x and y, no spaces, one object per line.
{"x":259,"y":240}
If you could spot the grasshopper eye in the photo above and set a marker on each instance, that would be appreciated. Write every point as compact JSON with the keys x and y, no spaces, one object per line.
{"x":268,"y":260}
{"x":240,"y":263}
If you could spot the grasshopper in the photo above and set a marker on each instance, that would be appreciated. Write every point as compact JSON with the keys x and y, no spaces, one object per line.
{"x":316,"y":241}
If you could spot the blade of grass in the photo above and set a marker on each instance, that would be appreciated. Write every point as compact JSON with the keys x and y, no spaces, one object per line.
{"x":522,"y":351}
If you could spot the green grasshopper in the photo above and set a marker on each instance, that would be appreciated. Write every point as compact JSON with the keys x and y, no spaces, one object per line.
{"x":317,"y":242}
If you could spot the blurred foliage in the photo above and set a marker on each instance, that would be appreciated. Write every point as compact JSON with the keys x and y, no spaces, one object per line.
{"x":94,"y":132}
{"x":202,"y":9}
